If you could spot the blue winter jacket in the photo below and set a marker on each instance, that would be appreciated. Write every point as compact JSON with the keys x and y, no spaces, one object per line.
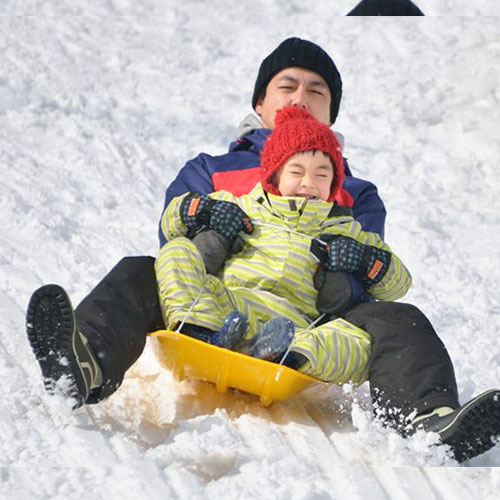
{"x":237,"y":171}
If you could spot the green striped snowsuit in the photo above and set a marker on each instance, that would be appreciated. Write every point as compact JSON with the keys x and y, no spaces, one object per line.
{"x":271,"y":276}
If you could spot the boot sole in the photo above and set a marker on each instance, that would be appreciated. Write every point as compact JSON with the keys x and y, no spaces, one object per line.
{"x":475,"y":427}
{"x":50,"y":326}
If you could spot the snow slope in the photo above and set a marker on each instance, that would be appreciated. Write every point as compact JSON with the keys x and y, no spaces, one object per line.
{"x":98,"y":113}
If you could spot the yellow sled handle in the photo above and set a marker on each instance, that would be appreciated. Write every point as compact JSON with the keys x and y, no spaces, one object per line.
{"x":188,"y":357}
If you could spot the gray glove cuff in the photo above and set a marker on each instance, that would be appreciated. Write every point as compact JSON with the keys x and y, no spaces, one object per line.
{"x":334,"y":292}
{"x":213,"y":248}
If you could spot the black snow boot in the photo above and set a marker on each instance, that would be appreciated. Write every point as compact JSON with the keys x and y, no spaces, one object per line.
{"x":60,"y":348}
{"x":470,"y":430}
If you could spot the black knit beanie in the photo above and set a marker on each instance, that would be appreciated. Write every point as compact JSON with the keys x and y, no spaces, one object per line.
{"x":304,"y":54}
{"x":386,"y":8}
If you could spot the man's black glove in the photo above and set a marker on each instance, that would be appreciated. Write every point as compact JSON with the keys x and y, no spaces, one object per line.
{"x":334,"y":291}
{"x":369,"y":264}
{"x":200,"y":213}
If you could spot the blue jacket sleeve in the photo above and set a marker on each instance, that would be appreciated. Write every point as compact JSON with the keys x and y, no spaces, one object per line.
{"x":369,"y":210}
{"x":193,"y":176}
{"x":358,"y":293}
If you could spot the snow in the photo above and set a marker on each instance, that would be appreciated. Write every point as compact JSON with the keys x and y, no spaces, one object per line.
{"x":102,"y":103}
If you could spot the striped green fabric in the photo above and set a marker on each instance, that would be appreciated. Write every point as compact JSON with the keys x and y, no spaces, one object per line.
{"x":272,"y":276}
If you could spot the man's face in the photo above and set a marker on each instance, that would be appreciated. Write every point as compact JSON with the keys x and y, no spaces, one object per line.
{"x":295,"y":87}
{"x":308,"y":175}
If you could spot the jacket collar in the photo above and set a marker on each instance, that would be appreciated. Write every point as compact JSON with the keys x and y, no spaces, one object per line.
{"x":247,"y":125}
{"x":296,"y":207}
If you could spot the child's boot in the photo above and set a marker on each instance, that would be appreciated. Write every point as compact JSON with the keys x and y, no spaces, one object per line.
{"x":61,"y":350}
{"x":273,"y":339}
{"x":232,"y":332}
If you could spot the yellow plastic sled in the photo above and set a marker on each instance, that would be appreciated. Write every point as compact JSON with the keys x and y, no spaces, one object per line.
{"x":188,"y":357}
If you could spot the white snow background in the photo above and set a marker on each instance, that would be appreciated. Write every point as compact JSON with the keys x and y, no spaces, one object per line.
{"x":97,"y":115}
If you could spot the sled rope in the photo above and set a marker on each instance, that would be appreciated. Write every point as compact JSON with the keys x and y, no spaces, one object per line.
{"x":190,"y":309}
{"x":312,"y":325}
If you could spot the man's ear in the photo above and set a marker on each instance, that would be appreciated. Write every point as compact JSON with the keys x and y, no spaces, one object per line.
{"x":258,"y":106}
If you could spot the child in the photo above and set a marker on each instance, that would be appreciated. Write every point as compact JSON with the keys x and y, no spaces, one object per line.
{"x":248,"y":266}
{"x":291,"y":212}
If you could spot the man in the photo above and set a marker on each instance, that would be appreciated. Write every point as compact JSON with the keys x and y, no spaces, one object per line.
{"x":410,"y":370}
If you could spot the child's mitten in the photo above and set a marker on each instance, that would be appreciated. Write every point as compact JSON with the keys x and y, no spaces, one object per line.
{"x":199,"y":213}
{"x":369,"y":264}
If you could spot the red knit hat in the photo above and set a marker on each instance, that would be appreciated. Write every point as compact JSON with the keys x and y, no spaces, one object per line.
{"x":296,"y":131}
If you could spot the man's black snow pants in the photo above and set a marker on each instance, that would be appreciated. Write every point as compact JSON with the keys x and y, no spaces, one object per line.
{"x":116,"y":316}
{"x":409,"y":367}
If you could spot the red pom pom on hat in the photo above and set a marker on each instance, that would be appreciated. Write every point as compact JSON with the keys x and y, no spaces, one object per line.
{"x":296,"y":131}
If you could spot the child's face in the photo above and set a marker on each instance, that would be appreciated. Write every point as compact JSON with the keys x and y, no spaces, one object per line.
{"x":307,"y":174}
